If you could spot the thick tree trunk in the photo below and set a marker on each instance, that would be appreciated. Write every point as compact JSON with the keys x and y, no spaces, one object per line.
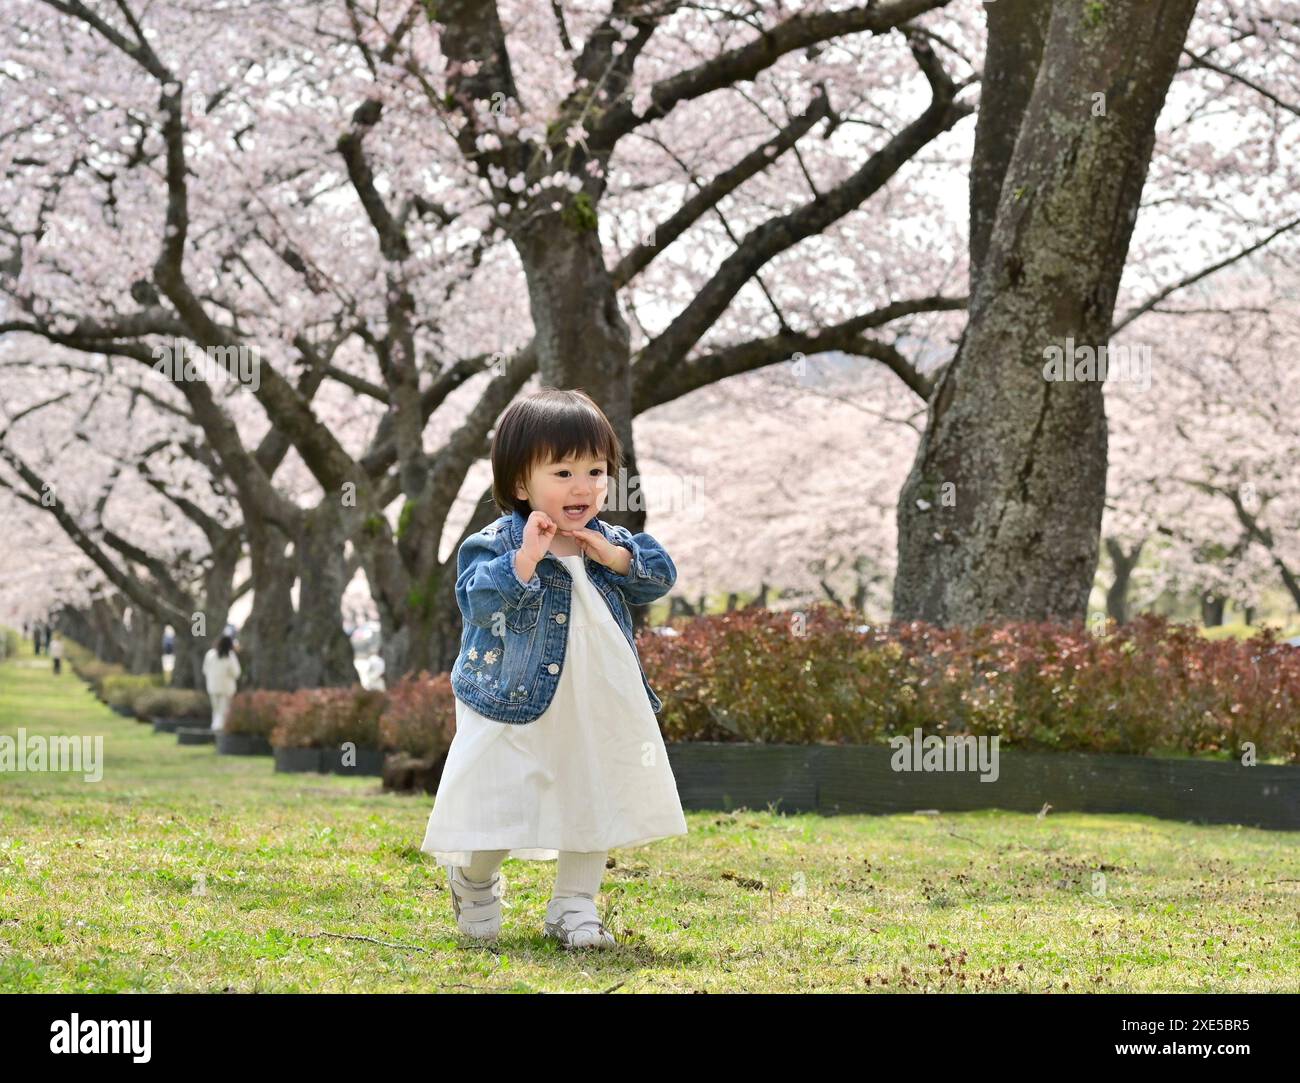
{"x":583,"y":342}
{"x":189,"y":661}
{"x":1123,"y":563}
{"x":112,"y":641}
{"x":1212,"y":610}
{"x":144,"y":642}
{"x":322,"y":652}
{"x":410,"y":619}
{"x":582,"y":339}
{"x":1016,"y":29}
{"x":1026,"y":455}
{"x":267,"y":635}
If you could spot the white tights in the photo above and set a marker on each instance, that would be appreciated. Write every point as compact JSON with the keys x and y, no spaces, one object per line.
{"x":576,"y":873}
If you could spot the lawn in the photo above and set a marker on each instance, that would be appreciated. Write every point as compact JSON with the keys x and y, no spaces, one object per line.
{"x":182,"y":870}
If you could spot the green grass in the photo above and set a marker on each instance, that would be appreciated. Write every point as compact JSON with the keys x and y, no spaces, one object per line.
{"x":182,"y":870}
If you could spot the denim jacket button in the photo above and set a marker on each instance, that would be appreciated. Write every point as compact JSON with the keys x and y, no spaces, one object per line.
{"x":552,"y":668}
{"x":559,"y":618}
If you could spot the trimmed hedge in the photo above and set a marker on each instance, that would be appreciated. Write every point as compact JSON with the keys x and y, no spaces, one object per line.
{"x":327,"y":717}
{"x":125,"y":690}
{"x":254,"y":713}
{"x":1150,"y":686}
{"x":420,"y":716}
{"x":173,"y":703}
{"x":417,"y":716}
{"x":94,"y":672}
{"x":820,"y":677}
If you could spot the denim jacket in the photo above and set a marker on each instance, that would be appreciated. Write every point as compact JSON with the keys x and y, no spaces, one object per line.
{"x":515,"y":633}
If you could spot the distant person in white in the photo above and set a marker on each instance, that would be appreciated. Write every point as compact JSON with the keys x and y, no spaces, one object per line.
{"x":221,"y":674}
{"x":169,"y":651}
{"x":375,"y":674}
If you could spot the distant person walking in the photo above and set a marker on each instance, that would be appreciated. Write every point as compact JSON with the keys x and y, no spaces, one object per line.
{"x":221,"y":675}
{"x":36,"y":637}
{"x":168,"y":651}
{"x":56,"y":652}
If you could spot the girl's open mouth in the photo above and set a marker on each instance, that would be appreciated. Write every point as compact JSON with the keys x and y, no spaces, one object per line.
{"x":576,"y":511}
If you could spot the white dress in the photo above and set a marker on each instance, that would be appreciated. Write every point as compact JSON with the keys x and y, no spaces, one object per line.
{"x":590,"y":773}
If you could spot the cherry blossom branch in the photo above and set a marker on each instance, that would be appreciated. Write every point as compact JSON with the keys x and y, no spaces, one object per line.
{"x":1197,"y":276}
{"x":780,"y":234}
{"x":760,"y":352}
{"x":709,"y":195}
{"x":744,"y":63}
{"x":140,"y":593}
{"x":1201,"y":61}
{"x":1254,"y":530}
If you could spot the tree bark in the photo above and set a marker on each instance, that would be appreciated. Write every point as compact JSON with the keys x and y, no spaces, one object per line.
{"x":581,"y":337}
{"x":583,"y":342}
{"x":322,"y":652}
{"x":1123,"y":562}
{"x":267,"y":634}
{"x":144,"y":642}
{"x":1027,"y":455}
{"x":214,"y":605}
{"x":1212,"y":610}
{"x":1016,"y":29}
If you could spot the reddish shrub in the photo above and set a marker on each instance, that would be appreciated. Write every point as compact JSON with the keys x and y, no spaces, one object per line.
{"x":1148,"y":686}
{"x":419,"y":717}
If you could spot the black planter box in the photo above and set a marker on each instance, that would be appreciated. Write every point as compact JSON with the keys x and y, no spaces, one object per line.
{"x":242,"y":744}
{"x":833,"y":779}
{"x":170,"y":725}
{"x":298,"y":759}
{"x":194,"y":735}
{"x":369,"y":761}
{"x":125,"y":712}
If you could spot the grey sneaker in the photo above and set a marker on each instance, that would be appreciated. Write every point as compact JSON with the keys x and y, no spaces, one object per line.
{"x":575,"y":924}
{"x":477,"y":906}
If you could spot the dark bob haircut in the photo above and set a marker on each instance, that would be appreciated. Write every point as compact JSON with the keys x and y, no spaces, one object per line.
{"x":550,"y":425}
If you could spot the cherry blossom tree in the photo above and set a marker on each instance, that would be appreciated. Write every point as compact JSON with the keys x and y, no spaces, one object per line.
{"x":447,"y":154}
{"x":1206,"y":468}
{"x":1067,"y":132}
{"x":389,"y":220}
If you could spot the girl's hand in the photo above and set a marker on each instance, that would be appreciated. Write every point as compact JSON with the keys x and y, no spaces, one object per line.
{"x":593,"y":543}
{"x":539,"y":532}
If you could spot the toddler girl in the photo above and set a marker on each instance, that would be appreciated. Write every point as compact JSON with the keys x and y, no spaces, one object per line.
{"x":589,"y":771}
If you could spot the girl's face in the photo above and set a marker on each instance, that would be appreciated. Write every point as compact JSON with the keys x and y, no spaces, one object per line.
{"x":567,"y":484}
